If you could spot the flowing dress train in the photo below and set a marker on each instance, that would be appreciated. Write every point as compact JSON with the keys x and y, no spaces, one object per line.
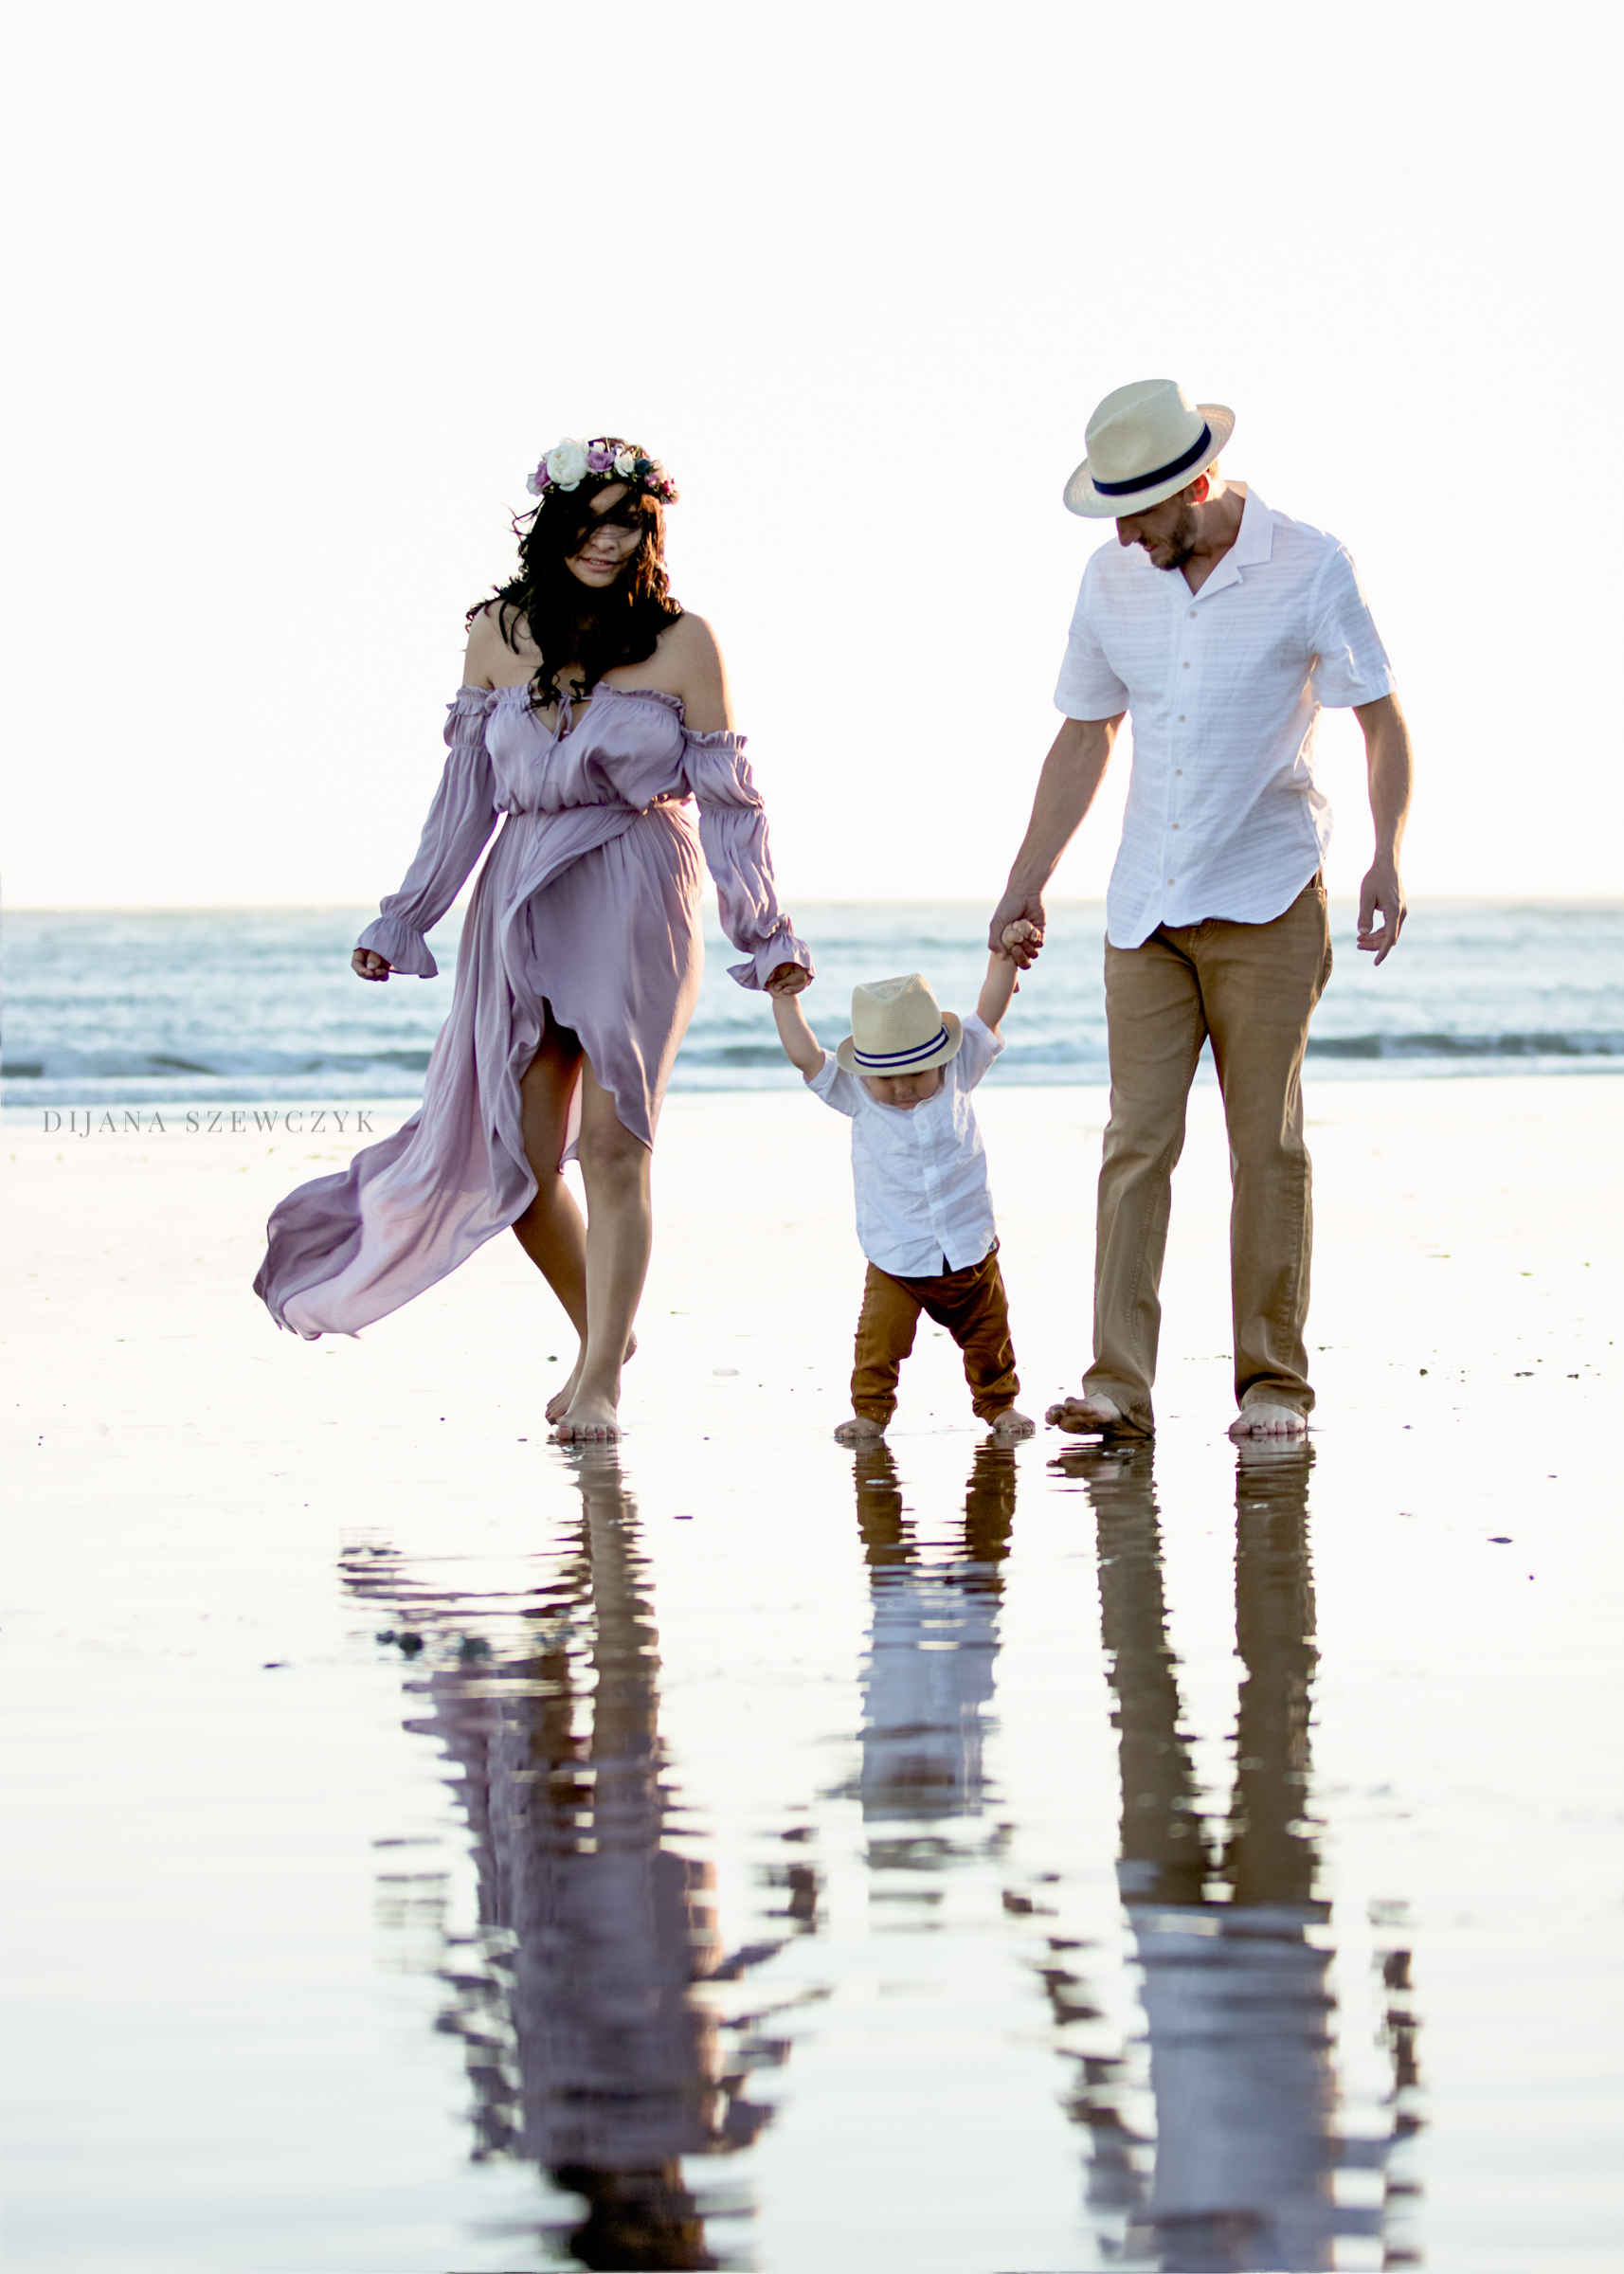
{"x":590,"y":904}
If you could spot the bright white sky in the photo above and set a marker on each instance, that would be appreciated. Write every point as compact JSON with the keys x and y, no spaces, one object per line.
{"x":301,"y":292}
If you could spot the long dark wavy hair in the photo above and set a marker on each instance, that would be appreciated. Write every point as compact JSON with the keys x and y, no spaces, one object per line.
{"x":569,"y":622}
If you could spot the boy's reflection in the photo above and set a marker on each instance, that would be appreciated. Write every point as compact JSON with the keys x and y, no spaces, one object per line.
{"x":1234,"y":1991}
{"x":928,"y":1675}
{"x":586,"y":2049}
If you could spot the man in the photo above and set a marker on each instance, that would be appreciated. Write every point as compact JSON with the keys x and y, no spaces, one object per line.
{"x":1224,"y":628}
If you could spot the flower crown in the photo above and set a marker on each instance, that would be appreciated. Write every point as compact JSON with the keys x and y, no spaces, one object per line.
{"x":568,"y":464}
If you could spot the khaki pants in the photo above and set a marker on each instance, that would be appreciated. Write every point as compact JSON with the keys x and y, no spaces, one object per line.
{"x":970,"y":1304}
{"x":1253,"y":988}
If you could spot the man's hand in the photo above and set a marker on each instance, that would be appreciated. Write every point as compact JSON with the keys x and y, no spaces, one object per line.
{"x":1392,"y":773}
{"x":788,"y":978}
{"x":1382,"y":892}
{"x":367,"y":964}
{"x":1017,"y":908}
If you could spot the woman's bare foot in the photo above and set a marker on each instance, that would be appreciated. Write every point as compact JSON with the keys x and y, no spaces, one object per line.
{"x":590,"y":1420}
{"x":1084,"y":1417}
{"x":859,"y":1430}
{"x":1011,"y":1424}
{"x":1265,"y":1420}
{"x":559,"y":1404}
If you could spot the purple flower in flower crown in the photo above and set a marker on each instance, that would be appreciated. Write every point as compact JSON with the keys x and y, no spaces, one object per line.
{"x":536,"y":483}
{"x":598,"y":460}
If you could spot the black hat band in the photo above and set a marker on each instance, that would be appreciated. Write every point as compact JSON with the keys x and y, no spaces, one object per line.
{"x":1147,"y":482}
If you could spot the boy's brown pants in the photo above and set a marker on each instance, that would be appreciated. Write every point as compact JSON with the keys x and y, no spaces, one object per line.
{"x":970,"y":1304}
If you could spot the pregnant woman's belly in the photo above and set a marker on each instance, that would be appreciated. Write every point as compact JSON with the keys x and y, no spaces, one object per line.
{"x":613,"y":945}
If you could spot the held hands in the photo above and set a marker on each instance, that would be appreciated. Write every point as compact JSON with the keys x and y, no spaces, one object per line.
{"x":1382,"y":892}
{"x":367,"y":964}
{"x":1016,"y":928}
{"x":788,"y":978}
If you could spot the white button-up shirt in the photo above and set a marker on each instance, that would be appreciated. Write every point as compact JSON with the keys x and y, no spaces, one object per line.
{"x":921,"y":1175}
{"x":1224,"y":816}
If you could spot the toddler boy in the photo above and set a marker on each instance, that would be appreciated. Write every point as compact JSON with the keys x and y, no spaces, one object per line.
{"x":904,"y":1075}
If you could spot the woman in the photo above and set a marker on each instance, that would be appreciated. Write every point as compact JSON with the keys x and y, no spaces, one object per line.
{"x":592,"y":708}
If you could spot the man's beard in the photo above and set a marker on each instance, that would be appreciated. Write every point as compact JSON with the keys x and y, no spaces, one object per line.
{"x":1181,"y":538}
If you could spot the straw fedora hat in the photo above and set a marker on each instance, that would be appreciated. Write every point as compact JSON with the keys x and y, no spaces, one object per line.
{"x":896,"y":1028}
{"x":1146,"y":441}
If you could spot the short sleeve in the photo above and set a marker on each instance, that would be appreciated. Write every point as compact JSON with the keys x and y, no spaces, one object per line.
{"x":836,"y":1087}
{"x":981,"y":1047}
{"x":1087,"y":687}
{"x":1351,"y":664}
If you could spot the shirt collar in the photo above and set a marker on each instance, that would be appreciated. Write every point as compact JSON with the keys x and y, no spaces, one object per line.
{"x":1253,"y":544}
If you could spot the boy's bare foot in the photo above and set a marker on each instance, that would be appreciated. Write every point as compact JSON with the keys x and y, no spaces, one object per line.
{"x":1084,"y":1417}
{"x":590,"y":1420}
{"x":859,"y":1430}
{"x":1265,"y":1420}
{"x":1011,"y":1424}
{"x":559,"y":1404}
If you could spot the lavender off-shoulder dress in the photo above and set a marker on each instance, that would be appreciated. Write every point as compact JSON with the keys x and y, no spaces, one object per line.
{"x":590,"y":902}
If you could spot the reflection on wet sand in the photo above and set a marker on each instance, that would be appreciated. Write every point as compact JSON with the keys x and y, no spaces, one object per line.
{"x":927,"y":1676}
{"x":591,"y":2046}
{"x":1234,"y":1990}
{"x":586,"y":2048}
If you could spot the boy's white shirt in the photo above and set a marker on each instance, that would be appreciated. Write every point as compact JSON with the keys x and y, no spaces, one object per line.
{"x":920,"y":1176}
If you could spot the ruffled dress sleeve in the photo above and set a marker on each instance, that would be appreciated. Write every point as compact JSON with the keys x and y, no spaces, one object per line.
{"x":732,"y":831}
{"x":456,"y":833}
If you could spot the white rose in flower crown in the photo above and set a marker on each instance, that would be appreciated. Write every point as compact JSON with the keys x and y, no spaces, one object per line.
{"x":626,"y":465}
{"x":567,"y":463}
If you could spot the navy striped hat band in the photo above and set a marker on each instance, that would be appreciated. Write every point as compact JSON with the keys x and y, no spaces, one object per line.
{"x":898,"y":1061}
{"x":1147,"y":482}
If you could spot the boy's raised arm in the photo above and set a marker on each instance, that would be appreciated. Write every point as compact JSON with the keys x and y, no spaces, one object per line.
{"x":800,"y":1045}
{"x":1003,"y":975}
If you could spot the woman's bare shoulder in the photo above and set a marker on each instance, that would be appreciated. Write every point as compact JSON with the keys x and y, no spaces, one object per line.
{"x":689,"y":641}
{"x":487,"y":647}
{"x":691,"y":662}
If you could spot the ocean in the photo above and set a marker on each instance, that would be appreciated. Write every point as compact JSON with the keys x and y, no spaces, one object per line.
{"x":204,"y":1007}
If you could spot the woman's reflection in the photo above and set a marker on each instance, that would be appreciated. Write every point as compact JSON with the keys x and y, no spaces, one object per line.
{"x":1228,"y":1928}
{"x":927,"y":1678}
{"x":587,"y":2050}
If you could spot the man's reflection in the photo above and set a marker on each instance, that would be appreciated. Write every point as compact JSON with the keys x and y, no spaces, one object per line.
{"x":928,"y":1678}
{"x":587,"y":2048}
{"x":1236,"y":1991}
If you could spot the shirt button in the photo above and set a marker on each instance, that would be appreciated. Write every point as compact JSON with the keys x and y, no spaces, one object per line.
{"x":1186,"y":667}
{"x":1181,"y":718}
{"x":1177,"y":769}
{"x":1172,"y":880}
{"x":1175,"y":824}
{"x":1192,"y":611}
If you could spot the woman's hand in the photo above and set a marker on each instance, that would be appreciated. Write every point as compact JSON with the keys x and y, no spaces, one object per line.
{"x":788,"y":978}
{"x":367,"y":964}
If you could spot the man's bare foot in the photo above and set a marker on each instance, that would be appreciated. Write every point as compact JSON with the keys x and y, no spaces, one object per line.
{"x":1262,"y":1420}
{"x":559,"y":1404}
{"x":1084,"y":1417}
{"x":1011,"y":1424}
{"x":859,"y":1430}
{"x":590,"y":1420}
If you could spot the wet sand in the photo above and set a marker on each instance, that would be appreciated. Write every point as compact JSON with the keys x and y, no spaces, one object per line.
{"x":744,"y":1851}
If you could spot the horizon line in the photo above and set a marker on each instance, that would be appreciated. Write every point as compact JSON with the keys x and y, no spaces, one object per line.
{"x":311,"y":908}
